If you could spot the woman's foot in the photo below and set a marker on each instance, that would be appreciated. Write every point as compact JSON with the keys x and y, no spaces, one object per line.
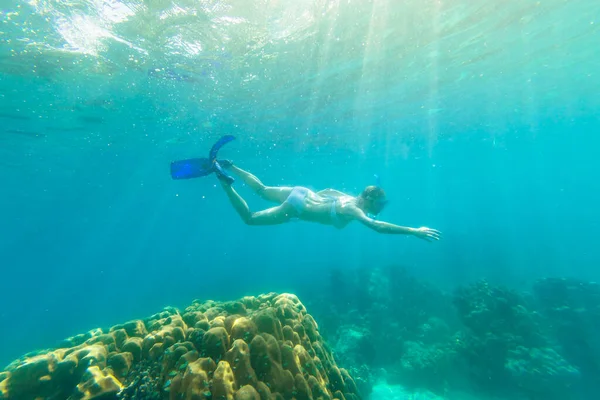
{"x":223,"y":177}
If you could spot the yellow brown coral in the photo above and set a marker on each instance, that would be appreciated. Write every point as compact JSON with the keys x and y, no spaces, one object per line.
{"x":259,"y":348}
{"x":97,"y":383}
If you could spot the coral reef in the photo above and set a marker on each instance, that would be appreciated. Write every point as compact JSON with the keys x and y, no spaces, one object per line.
{"x":385,"y":319}
{"x":482,"y":338}
{"x":573,"y":306}
{"x":541,"y":371}
{"x":379,"y":323}
{"x":507,"y":344}
{"x":258,"y":348}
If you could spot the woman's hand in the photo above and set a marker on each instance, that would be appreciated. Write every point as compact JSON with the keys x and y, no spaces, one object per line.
{"x":427,"y":234}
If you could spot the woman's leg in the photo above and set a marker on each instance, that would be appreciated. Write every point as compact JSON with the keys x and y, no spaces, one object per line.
{"x":271,"y":216}
{"x":269,"y":193}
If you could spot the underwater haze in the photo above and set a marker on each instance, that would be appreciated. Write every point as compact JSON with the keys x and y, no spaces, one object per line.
{"x":478,"y":118}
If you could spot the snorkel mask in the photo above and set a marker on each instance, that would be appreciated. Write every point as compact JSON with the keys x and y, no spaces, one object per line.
{"x":378,"y":205}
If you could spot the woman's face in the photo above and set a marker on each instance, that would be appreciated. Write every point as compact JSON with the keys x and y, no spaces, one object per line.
{"x":374,"y":206}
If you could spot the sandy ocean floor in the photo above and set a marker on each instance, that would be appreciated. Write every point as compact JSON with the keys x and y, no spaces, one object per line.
{"x":383,"y":391}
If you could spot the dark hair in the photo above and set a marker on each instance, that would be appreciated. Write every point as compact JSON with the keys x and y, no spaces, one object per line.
{"x":373,"y":193}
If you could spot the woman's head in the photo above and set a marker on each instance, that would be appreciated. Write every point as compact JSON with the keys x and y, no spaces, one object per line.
{"x":372,"y":200}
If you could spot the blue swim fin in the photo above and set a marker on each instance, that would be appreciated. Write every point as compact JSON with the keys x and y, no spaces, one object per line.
{"x":220,"y":143}
{"x":191,"y":168}
{"x":198,"y":167}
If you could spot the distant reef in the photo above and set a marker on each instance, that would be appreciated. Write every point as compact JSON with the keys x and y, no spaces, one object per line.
{"x":481,"y":338}
{"x":258,"y":348}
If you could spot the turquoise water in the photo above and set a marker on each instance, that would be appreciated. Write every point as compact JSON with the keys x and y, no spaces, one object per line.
{"x":479,"y":118}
